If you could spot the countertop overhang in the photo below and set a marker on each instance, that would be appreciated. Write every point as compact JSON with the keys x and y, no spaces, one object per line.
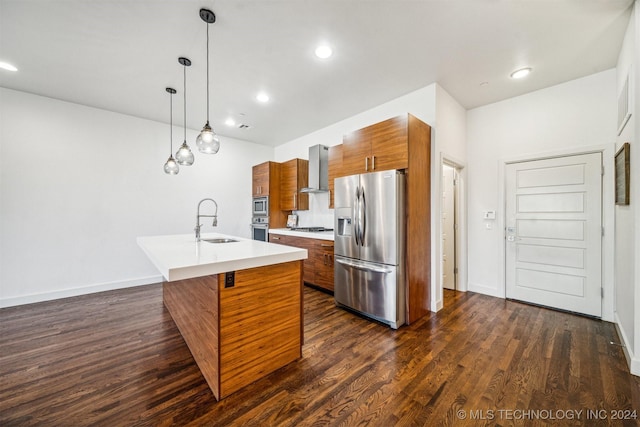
{"x":179,"y":257}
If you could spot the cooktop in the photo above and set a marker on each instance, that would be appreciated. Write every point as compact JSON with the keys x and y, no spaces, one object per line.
{"x":311,"y":229}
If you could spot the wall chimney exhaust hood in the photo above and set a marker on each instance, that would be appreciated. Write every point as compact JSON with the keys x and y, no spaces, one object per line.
{"x":318,"y":170}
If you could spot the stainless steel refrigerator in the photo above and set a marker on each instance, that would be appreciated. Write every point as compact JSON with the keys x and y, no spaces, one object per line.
{"x":369,"y":248}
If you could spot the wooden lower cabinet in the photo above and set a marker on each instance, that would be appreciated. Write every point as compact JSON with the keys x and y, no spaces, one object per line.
{"x":318,"y":267}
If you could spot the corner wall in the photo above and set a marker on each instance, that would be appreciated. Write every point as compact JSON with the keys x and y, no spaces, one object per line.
{"x":627,"y":246}
{"x":79,"y":184}
{"x":573,"y":116}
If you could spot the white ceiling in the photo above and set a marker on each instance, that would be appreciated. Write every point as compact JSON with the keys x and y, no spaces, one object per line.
{"x":119,"y":55}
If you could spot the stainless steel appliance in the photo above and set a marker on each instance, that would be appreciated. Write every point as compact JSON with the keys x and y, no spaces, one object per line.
{"x":369,"y":248}
{"x":260,"y":205}
{"x":260,"y":228}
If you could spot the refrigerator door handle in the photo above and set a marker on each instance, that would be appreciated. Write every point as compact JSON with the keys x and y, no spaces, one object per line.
{"x":363,"y":217}
{"x":356,"y":210}
{"x":363,"y":266}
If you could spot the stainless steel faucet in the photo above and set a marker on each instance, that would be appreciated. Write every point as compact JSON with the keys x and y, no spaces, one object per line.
{"x":198,"y":216}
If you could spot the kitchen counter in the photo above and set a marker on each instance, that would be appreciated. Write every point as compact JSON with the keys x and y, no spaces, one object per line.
{"x":322,"y":235}
{"x":180,"y":257}
{"x":238,"y":305}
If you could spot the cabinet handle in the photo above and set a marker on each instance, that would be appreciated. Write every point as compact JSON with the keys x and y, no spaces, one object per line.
{"x":295,"y":201}
{"x":373,"y":163}
{"x":275,"y":238}
{"x":366,"y":163}
{"x":324,"y":245}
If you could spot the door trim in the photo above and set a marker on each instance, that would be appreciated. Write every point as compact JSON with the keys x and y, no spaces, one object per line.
{"x":608,"y":216}
{"x":436,"y":234}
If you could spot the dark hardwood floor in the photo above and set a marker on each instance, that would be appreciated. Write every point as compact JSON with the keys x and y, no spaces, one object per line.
{"x":117,"y":359}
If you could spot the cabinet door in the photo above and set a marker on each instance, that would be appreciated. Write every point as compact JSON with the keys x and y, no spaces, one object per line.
{"x":335,"y":169}
{"x":308,"y":265}
{"x":261,"y":179}
{"x":323,"y":264}
{"x":389,"y":145}
{"x":294,"y":176}
{"x":356,"y":152}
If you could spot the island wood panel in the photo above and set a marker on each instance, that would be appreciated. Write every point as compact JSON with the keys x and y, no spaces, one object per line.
{"x":334,"y":169}
{"x":260,"y":322}
{"x":389,"y":144}
{"x":193,"y":304}
{"x":418,"y":219}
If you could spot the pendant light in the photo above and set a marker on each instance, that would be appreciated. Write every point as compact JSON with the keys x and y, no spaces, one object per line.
{"x":171,"y":167}
{"x":184,"y":156}
{"x":208,"y":141}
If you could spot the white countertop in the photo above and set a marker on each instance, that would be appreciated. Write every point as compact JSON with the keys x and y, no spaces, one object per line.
{"x":324,"y":235}
{"x":180,"y":257}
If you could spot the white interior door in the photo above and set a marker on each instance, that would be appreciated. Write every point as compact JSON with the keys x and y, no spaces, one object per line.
{"x":448,"y":227}
{"x":554,"y":232}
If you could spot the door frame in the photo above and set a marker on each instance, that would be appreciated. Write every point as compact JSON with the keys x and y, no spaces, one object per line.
{"x":461,"y":233}
{"x":607,"y":212}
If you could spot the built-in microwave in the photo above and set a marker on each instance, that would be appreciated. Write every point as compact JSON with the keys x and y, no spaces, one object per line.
{"x":260,"y":206}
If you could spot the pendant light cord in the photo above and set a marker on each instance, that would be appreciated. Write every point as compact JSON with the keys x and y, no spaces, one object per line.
{"x":170,"y":124}
{"x":207,"y":73}
{"x":184,"y":88}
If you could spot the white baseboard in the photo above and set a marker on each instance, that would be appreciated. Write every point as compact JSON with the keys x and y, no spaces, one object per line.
{"x":632,"y":359}
{"x":73,"y":292}
{"x":486,"y":290}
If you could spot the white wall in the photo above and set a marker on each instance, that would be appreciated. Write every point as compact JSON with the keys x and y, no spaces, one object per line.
{"x":574,"y":116}
{"x":449,"y":144}
{"x":627,"y":248}
{"x":420,"y":103}
{"x":79,"y":184}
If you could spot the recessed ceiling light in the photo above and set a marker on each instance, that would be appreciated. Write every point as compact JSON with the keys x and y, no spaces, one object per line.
{"x":323,"y":51}
{"x":262,"y":97}
{"x":230,"y":122}
{"x":522,"y":72}
{"x":7,"y":66}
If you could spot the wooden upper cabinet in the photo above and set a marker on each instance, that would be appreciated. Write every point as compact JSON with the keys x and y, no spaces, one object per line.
{"x":389,"y":144}
{"x":378,"y":147}
{"x":356,"y":150}
{"x":294,"y":176}
{"x":335,"y":169}
{"x":261,"y":176}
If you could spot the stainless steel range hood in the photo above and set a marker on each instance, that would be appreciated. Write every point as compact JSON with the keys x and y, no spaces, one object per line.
{"x":318,"y":169}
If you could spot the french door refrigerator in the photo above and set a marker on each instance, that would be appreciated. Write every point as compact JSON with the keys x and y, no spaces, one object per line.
{"x":369,"y":247}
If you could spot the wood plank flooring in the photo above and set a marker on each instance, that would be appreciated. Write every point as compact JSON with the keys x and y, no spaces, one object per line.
{"x":117,"y":359}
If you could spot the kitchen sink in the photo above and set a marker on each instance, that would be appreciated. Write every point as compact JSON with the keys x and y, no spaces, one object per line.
{"x":219,"y":240}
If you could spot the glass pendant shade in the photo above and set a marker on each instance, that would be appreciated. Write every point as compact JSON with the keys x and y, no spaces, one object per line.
{"x":184,"y":156}
{"x":171,"y":167}
{"x":208,"y":142}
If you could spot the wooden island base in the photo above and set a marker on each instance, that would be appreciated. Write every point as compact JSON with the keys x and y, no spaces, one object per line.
{"x":240,"y":334}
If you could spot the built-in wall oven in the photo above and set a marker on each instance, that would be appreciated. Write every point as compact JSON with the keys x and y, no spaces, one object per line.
{"x":261,"y":206}
{"x":260,"y":228}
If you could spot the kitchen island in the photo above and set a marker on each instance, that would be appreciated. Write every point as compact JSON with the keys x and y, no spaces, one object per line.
{"x":236,"y":302}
